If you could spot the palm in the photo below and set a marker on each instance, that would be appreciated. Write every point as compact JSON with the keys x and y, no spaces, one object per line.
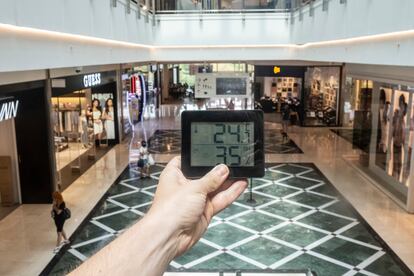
{"x":194,"y":205}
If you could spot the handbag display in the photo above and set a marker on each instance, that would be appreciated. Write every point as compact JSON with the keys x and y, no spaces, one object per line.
{"x":151,"y":160}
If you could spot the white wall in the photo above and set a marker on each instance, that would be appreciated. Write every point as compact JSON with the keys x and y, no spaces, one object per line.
{"x":8,"y":148}
{"x":30,"y":50}
{"x":222,"y":29}
{"x":187,"y":38}
{"x":355,"y":18}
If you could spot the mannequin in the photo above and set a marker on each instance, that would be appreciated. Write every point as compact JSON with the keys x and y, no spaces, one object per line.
{"x":398,"y":136}
{"x":83,"y":129}
{"x":410,"y":150}
{"x":109,"y":116}
{"x":97,"y":120}
{"x":384,"y":119}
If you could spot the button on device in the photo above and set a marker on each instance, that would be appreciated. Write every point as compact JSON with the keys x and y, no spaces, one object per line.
{"x":234,"y":138}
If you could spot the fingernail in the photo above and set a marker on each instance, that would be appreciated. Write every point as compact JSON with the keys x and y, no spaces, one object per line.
{"x":221,"y":170}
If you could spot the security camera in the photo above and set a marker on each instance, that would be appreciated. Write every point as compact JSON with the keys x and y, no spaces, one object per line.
{"x":78,"y":70}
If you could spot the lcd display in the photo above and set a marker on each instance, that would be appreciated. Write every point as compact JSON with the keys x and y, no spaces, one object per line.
{"x":230,"y":143}
{"x":231,"y":86}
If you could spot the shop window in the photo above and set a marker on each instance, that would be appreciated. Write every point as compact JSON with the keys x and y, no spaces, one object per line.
{"x":321,"y":95}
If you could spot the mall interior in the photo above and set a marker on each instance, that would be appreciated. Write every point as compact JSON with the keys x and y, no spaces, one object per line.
{"x":84,"y":83}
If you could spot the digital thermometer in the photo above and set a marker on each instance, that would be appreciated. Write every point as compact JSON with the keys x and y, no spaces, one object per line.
{"x":234,"y":138}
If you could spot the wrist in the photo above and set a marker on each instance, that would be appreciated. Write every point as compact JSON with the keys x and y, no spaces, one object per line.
{"x":160,"y":246}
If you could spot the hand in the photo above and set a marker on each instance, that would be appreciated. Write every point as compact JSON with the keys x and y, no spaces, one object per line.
{"x":187,"y":206}
{"x":179,"y":216}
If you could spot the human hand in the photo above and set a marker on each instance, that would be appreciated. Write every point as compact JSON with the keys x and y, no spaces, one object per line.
{"x":179,"y":216}
{"x":187,"y":206}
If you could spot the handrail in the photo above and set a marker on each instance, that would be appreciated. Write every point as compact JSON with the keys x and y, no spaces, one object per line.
{"x":220,"y":11}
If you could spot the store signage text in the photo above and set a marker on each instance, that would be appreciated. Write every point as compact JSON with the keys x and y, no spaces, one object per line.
{"x":92,"y":80}
{"x":276,"y":70}
{"x":8,"y":110}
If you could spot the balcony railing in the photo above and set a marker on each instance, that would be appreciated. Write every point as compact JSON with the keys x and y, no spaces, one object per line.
{"x":220,"y":6}
{"x":227,"y":6}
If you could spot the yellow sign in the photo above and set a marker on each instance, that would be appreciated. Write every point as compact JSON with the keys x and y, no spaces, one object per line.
{"x":276,"y":70}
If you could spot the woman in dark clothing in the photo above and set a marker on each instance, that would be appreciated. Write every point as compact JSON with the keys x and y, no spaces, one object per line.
{"x":285,"y":119}
{"x":59,"y":218}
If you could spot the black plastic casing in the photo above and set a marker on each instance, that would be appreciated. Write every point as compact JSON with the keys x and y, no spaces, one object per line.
{"x":256,"y":116}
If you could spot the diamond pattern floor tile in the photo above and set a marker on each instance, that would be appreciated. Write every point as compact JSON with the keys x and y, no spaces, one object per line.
{"x":231,"y":211}
{"x":276,"y":190}
{"x":325,"y":221}
{"x":90,"y":249}
{"x":385,"y":263}
{"x":90,"y":231}
{"x":120,"y":221}
{"x":300,"y":182}
{"x":256,"y":221}
{"x":285,"y":209}
{"x":223,"y":262}
{"x":260,"y":199}
{"x":289,"y":169}
{"x":106,"y":208}
{"x":297,"y":235}
{"x":345,"y":251}
{"x":262,"y":250}
{"x":360,"y":233}
{"x":321,"y":267}
{"x":310,"y":199}
{"x":198,"y":251}
{"x":225,"y":234}
{"x":133,"y":199}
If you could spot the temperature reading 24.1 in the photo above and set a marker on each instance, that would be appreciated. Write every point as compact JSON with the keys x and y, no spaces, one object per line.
{"x":220,"y":142}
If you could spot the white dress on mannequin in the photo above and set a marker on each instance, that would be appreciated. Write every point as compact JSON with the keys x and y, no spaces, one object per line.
{"x":97,"y":122}
{"x":110,"y":125}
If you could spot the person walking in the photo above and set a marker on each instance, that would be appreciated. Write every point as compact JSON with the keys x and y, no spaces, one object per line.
{"x":59,"y":216}
{"x":285,"y":119}
{"x":144,"y":159}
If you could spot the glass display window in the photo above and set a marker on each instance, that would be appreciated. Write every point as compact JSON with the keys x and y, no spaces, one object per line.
{"x":407,"y":169}
{"x":71,"y":127}
{"x":384,"y":125}
{"x":393,"y":145}
{"x":357,"y":99}
{"x":321,"y":95}
{"x":398,"y":136}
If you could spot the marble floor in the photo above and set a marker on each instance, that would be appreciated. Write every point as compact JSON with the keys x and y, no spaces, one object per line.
{"x":65,"y":157}
{"x":169,"y":142}
{"x":27,"y":236}
{"x":297,"y":220}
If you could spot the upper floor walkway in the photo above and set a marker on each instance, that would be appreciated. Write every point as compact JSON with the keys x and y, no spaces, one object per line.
{"x":57,"y":34}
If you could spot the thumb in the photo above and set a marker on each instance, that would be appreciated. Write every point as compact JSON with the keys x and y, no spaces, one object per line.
{"x":212,"y":180}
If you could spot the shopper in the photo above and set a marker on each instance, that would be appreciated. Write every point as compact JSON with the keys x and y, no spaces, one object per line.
{"x":59,"y":215}
{"x":285,"y":119}
{"x":180,"y":214}
{"x":145,"y":160}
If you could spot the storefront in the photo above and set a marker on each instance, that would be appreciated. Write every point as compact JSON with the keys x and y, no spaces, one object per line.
{"x":385,"y":110}
{"x":84,"y":120}
{"x":317,"y":88}
{"x":136,"y":97}
{"x":25,"y":153}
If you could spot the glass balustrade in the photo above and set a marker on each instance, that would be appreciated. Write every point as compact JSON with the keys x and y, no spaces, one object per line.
{"x":220,"y":6}
{"x":183,"y":6}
